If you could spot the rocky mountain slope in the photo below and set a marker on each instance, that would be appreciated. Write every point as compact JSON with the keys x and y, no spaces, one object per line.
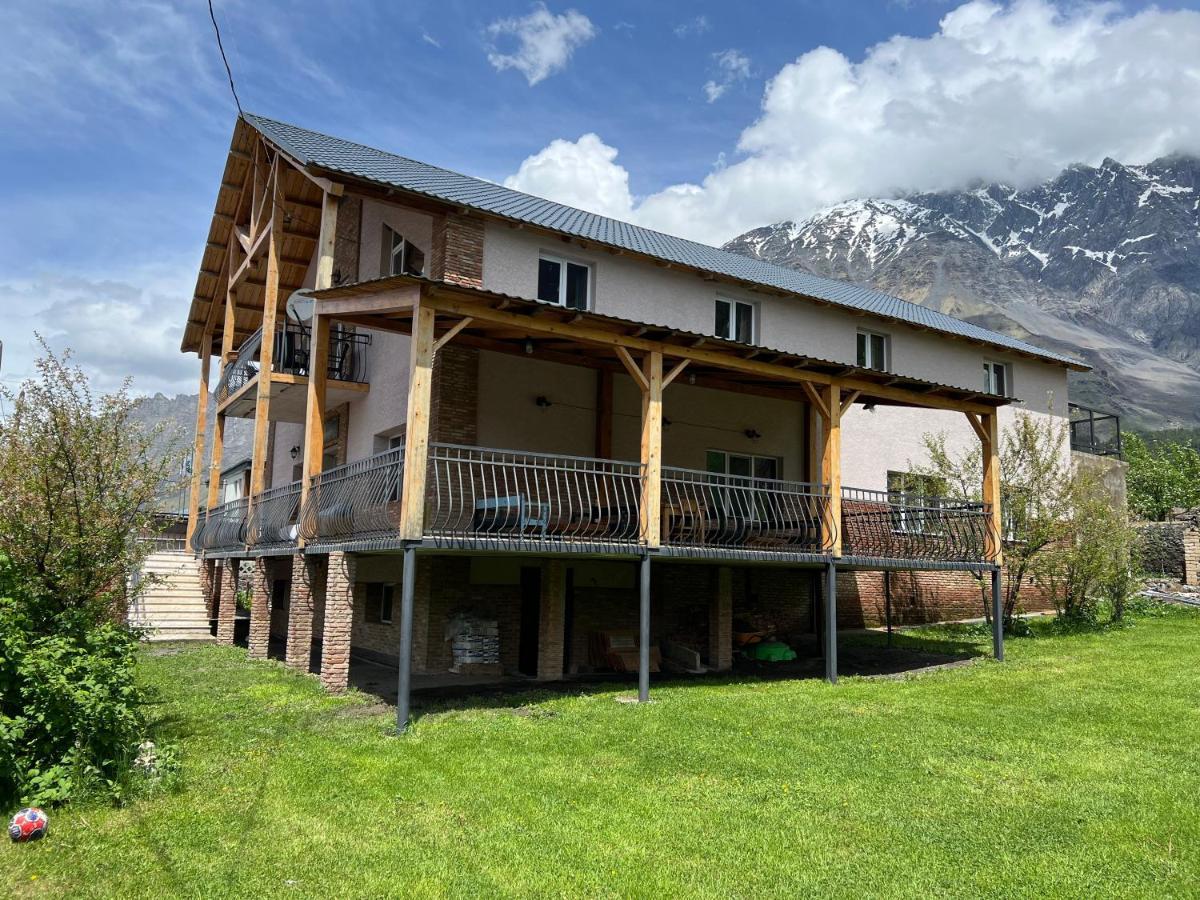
{"x":1103,"y":262}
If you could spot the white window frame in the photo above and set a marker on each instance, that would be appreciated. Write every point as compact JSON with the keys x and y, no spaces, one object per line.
{"x":389,"y":252}
{"x":733,"y":303}
{"x":563,"y":262}
{"x":386,"y":588}
{"x":887,"y":349}
{"x":989,"y":379}
{"x":750,"y":481}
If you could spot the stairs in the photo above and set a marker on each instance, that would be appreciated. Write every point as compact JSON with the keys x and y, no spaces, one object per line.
{"x":173,"y":609}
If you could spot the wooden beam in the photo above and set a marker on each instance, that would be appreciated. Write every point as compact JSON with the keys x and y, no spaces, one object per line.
{"x":266,"y":355}
{"x":449,"y":335}
{"x":327,"y":240}
{"x":675,"y":371}
{"x":632,"y":367}
{"x":214,"y":465}
{"x":977,"y":426}
{"x":813,"y":442}
{"x":990,"y":439}
{"x":815,"y":399}
{"x":831,"y":466}
{"x":396,"y":300}
{"x":201,"y":434}
{"x":253,"y":252}
{"x":848,"y":402}
{"x":314,"y":414}
{"x":651,"y":451}
{"x":417,"y":424}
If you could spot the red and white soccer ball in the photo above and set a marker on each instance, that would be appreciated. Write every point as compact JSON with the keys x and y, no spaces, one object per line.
{"x":30,"y":824}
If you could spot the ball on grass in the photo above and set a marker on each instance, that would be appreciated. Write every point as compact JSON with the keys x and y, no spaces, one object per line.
{"x":30,"y":824}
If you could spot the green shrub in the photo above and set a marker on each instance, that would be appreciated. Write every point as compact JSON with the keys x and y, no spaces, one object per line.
{"x":71,"y":713}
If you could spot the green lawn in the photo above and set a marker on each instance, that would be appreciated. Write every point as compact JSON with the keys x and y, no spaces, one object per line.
{"x":1072,"y":769}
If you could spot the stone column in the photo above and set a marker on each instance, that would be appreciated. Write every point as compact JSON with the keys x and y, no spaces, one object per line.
{"x":308,"y":586}
{"x":210,"y":586}
{"x":227,"y":601}
{"x":552,"y":611}
{"x":260,"y":609}
{"x":1191,"y":556}
{"x":720,"y":622}
{"x":339,"y":618}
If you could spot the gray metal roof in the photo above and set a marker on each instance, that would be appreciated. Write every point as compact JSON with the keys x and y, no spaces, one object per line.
{"x":334,"y":154}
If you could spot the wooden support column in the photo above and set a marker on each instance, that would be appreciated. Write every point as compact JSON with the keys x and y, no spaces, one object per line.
{"x":990,"y":435}
{"x":651,"y":513}
{"x":416,"y":434}
{"x":266,"y":354}
{"x":814,"y":447}
{"x":831,"y":460}
{"x":228,"y":330}
{"x":201,"y":434}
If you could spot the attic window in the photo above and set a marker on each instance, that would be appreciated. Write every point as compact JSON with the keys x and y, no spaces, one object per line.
{"x":398,"y":256}
{"x":563,"y":281}
{"x":873,"y":351}
{"x":995,"y":379}
{"x":734,"y":320}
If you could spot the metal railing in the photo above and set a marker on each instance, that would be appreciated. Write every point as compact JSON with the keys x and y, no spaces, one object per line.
{"x":358,"y":501}
{"x":242,"y":370}
{"x":347,"y":359}
{"x":514,"y":499}
{"x":1095,"y":432}
{"x":897,"y":525}
{"x":709,"y":510}
{"x":274,"y":522}
{"x":223,"y":528}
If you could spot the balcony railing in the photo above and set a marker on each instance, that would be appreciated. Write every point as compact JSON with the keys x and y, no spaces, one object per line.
{"x":703,"y":510}
{"x":274,"y":521}
{"x":895,"y":525}
{"x":524,"y":500}
{"x":1095,"y":432}
{"x":222,"y":529}
{"x":356,"y":502}
{"x":292,"y":351}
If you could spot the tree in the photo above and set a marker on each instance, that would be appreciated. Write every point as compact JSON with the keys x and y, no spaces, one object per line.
{"x":77,"y":482}
{"x":1035,"y":486}
{"x":1161,"y":477}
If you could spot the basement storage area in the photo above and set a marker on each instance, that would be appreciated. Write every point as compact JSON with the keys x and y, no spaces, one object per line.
{"x":496,"y":620}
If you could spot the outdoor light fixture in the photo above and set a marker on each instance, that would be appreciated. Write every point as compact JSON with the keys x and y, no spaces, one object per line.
{"x":294,"y":452}
{"x":691,"y":377}
{"x":869,"y":406}
{"x":752,"y":434}
{"x":528,"y":346}
{"x":543,"y":402}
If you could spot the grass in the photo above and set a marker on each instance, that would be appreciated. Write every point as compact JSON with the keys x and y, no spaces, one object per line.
{"x":1072,"y":769}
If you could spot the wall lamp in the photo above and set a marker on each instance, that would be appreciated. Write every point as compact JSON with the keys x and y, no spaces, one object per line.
{"x":752,"y":434}
{"x":294,"y":452}
{"x":543,"y":402}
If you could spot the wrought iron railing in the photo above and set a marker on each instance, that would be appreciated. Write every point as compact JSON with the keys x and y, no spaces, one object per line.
{"x":222,"y":528}
{"x":709,"y":510}
{"x":274,"y":521}
{"x":359,"y":501}
{"x":347,"y":356}
{"x":1095,"y":432}
{"x":897,"y":525}
{"x":242,"y":370}
{"x":517,"y":499}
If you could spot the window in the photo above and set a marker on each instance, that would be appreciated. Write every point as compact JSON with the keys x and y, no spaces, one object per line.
{"x":398,"y":256}
{"x":379,"y":603}
{"x":914,"y":499}
{"x":995,"y":379}
{"x":734,"y":320}
{"x":873,"y":351}
{"x":564,"y":282}
{"x":747,"y":472}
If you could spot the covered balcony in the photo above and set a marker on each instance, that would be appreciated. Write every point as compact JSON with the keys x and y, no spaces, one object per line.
{"x":346,"y":372}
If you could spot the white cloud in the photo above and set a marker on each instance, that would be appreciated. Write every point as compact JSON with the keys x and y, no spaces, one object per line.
{"x":732,"y":66}
{"x":431,"y":40}
{"x":583,"y":173}
{"x":698,"y":25}
{"x":1011,"y":93}
{"x":545,"y":41}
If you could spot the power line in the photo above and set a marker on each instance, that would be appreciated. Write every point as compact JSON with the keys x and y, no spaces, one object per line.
{"x":221,"y":47}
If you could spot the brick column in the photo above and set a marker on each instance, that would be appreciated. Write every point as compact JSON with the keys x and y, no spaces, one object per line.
{"x":720,"y":622}
{"x":457,"y":252}
{"x":210,"y":586}
{"x":260,"y":609}
{"x":1191,"y":556}
{"x":339,"y":618}
{"x":308,"y":587}
{"x":227,"y":601}
{"x":551,"y":624}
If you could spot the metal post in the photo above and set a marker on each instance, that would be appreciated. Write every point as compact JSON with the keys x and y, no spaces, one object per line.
{"x":408,"y":585}
{"x":997,"y":616}
{"x":887,"y":603}
{"x":644,"y":636}
{"x":831,"y":623}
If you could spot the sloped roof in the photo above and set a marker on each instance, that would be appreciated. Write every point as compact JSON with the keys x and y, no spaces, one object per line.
{"x":311,"y":148}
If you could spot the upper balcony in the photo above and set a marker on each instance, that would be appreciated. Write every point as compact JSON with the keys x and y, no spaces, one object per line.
{"x":346,"y":373}
{"x":1095,"y":432}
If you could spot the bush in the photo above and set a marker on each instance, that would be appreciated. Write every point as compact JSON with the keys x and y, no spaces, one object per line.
{"x":71,"y":713}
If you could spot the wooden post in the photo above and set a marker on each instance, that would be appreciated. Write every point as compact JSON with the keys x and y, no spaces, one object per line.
{"x":814,"y":446}
{"x":831,"y":460}
{"x":228,"y":330}
{"x":651,"y":518}
{"x":416,"y":433}
{"x":198,"y":443}
{"x":990,"y":436}
{"x":266,"y":353}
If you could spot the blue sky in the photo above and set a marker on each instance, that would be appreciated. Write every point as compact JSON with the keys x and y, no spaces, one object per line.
{"x":697,"y":118}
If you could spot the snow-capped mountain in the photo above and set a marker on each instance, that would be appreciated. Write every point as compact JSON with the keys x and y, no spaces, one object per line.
{"x":1103,"y":260}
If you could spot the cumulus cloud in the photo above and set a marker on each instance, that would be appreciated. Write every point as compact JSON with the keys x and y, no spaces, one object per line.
{"x":544,"y":41}
{"x":1000,"y":92}
{"x":583,"y":173}
{"x":698,"y":25}
{"x":732,"y":66}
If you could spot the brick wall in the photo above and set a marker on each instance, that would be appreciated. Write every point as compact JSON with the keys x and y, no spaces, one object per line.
{"x":457,"y":253}
{"x":552,"y":607}
{"x":348,"y":239}
{"x":1191,"y":557}
{"x":260,"y":609}
{"x":454,"y":404}
{"x":227,"y":601}
{"x":338,"y":621}
{"x":210,"y":586}
{"x":307,"y":588}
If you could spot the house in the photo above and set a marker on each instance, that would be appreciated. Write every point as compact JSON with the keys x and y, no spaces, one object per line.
{"x":495,"y":422}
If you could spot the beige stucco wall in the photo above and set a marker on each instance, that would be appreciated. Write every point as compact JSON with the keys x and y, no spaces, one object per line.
{"x":416,"y":227}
